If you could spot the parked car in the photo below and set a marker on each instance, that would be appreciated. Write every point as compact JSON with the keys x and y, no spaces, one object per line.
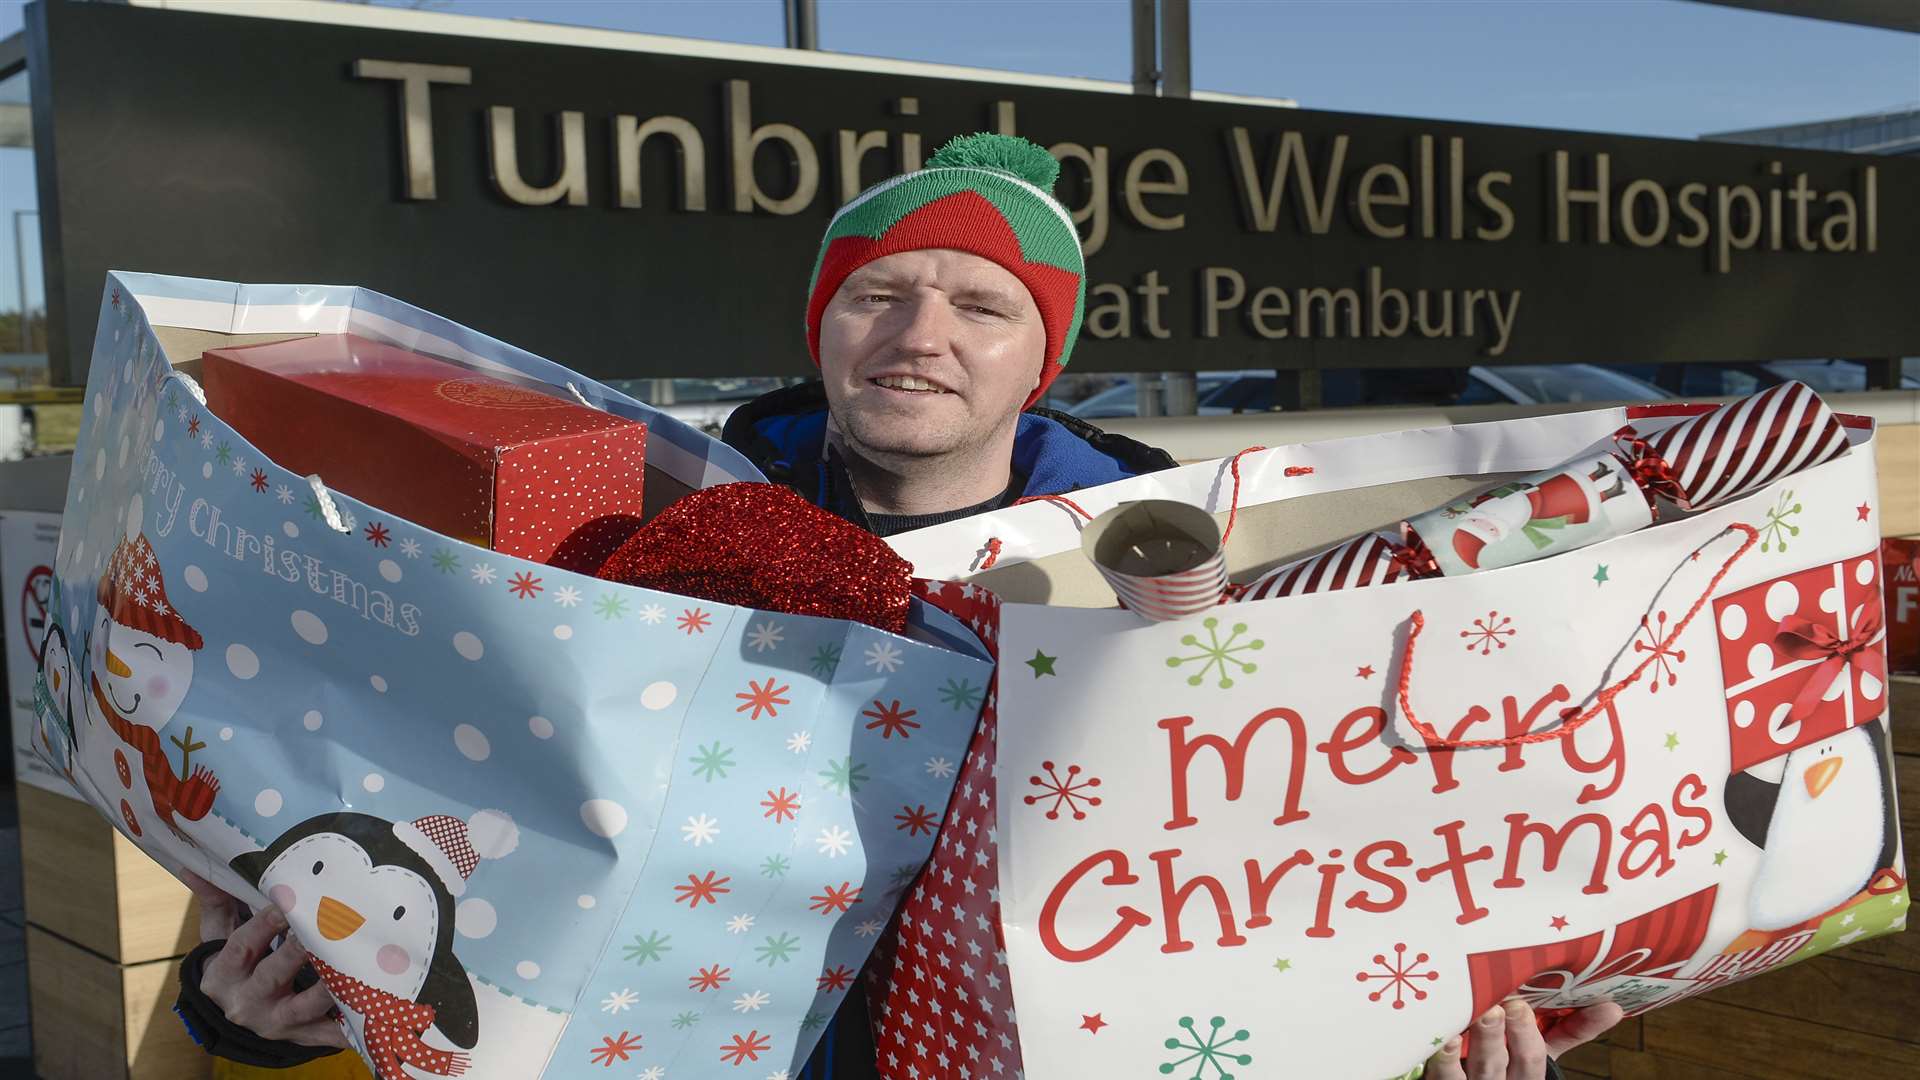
{"x":1221,"y":393}
{"x":1733,"y":380}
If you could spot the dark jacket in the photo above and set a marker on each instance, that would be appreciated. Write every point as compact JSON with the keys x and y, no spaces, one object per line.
{"x":784,"y":434}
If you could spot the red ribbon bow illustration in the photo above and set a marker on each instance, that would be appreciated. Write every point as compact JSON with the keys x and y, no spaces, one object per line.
{"x":1804,"y":639}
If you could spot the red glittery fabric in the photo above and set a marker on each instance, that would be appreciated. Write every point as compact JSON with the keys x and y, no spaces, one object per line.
{"x":762,"y":546}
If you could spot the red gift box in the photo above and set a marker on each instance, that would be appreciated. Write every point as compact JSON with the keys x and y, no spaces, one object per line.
{"x":470,"y":456}
{"x":1900,"y":560}
{"x":1803,"y":657}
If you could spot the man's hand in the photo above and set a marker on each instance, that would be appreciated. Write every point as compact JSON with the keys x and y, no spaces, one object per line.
{"x":251,"y":981}
{"x":1507,"y":1044}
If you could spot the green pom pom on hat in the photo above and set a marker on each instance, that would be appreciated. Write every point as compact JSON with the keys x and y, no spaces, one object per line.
{"x":987,"y":195}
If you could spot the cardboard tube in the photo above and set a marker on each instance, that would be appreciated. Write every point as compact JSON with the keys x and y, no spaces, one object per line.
{"x":1163,"y":558}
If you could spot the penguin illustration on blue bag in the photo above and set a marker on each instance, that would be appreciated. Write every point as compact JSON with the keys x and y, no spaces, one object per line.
{"x":376,"y":898}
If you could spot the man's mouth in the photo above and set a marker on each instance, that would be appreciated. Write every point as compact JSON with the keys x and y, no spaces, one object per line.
{"x":909,"y":384}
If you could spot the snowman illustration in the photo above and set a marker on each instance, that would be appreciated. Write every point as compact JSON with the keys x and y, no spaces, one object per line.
{"x":1823,"y":818}
{"x":373,"y":900}
{"x":53,"y":701}
{"x":1533,"y":510}
{"x":140,"y":665}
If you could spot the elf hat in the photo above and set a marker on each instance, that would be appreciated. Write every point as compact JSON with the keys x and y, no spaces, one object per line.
{"x":135,"y":596}
{"x":987,"y":195}
{"x":454,"y":847}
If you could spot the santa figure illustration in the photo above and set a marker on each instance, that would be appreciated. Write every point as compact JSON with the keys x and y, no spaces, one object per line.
{"x":1534,"y":510}
{"x":373,"y":901}
{"x":140,"y":661}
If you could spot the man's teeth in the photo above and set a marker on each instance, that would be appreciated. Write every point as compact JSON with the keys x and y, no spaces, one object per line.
{"x":907,"y":382}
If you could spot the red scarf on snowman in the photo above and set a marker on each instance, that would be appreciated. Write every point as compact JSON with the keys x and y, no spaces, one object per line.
{"x":190,"y":798}
{"x":392,"y":1026}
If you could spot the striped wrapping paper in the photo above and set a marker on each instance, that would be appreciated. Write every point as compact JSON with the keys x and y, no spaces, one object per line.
{"x":1364,"y":560}
{"x":1741,"y":446}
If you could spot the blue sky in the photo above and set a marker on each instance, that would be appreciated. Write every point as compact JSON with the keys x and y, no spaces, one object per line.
{"x":1645,"y":67}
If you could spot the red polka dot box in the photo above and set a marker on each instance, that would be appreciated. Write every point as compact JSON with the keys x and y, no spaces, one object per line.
{"x":528,"y":822}
{"x":1314,"y":835}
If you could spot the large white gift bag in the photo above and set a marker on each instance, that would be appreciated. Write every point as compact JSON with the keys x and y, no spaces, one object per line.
{"x":1316,"y":835}
{"x":527,"y":822}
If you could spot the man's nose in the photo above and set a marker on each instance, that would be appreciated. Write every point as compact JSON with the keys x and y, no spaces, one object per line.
{"x":928,"y":326}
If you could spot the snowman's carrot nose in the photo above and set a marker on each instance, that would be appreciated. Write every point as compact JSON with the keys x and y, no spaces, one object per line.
{"x":1821,"y":775}
{"x":336,"y":920}
{"x":118,"y":666}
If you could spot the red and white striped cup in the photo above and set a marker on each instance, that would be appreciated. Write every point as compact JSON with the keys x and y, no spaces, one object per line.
{"x":1163,"y":558}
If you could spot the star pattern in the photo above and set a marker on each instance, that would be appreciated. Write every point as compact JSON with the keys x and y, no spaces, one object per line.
{"x":941,"y":998}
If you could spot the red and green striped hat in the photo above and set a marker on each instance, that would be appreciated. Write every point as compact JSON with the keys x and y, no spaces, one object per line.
{"x":987,"y":195}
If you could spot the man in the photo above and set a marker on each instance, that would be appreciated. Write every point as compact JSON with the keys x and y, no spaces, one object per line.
{"x":943,"y":304}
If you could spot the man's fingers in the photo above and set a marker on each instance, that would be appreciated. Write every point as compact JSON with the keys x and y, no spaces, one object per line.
{"x":305,"y":1007}
{"x":276,"y":972}
{"x":1489,"y":1060}
{"x":1582,"y":1026}
{"x":1445,"y":1064}
{"x":248,"y":943}
{"x":217,"y":908}
{"x":1526,"y":1049}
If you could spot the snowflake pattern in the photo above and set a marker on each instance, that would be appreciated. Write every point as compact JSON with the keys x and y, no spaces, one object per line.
{"x":610,"y":607}
{"x":869,"y":928}
{"x":775,"y":866}
{"x":259,"y":480}
{"x":284,"y":494}
{"x":826,"y":660}
{"x":1215,"y":652}
{"x":1775,"y":531}
{"x":762,"y":698}
{"x":891,"y":719}
{"x":833,"y":841}
{"x":694,"y":621}
{"x":611,"y":1049}
{"x":764,"y":636}
{"x":481,"y":573}
{"x":961,"y":694}
{"x":685,"y":1020}
{"x":708,"y":978}
{"x":653,"y":1072}
{"x":648,"y":948}
{"x":707,"y":888}
{"x":524,"y":585}
{"x":739,"y":924}
{"x":377,"y":534}
{"x":799,"y":741}
{"x":410,"y":548}
{"x":1489,"y":633}
{"x":1209,"y":1051}
{"x":752,"y":1001}
{"x":699,"y":830}
{"x":939,"y":767}
{"x":1399,"y":976}
{"x":835,"y":979}
{"x":1069,"y":790}
{"x":782,"y":805}
{"x":566,"y":596}
{"x":745,"y":1048}
{"x":916,"y":820}
{"x":835,"y":900}
{"x":883,"y":656}
{"x":843,"y":777}
{"x":777,"y":950}
{"x":712,"y":762}
{"x":445,"y":561}
{"x":1665,"y":656}
{"x":619,"y":1001}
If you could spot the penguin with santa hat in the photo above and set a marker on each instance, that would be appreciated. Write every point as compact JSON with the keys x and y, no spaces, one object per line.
{"x":140,"y":666}
{"x":373,"y":901}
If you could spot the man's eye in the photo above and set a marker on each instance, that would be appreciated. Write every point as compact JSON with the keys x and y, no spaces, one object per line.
{"x":881,"y":297}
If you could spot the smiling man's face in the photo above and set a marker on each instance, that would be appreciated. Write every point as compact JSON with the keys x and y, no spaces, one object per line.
{"x":929,"y":353}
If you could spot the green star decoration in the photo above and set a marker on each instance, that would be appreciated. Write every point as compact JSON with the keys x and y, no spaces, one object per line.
{"x":1600,"y":574}
{"x":1042,"y":664}
{"x":775,"y":866}
{"x":776,"y":950}
{"x":649,"y":947}
{"x":1281,"y":965}
{"x":445,"y":561}
{"x":1720,"y":856}
{"x":609,"y":606}
{"x":712,"y":762}
{"x":1673,"y":739}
